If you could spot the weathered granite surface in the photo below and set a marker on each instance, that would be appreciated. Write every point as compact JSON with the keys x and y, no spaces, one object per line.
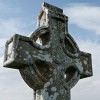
{"x":53,"y":66}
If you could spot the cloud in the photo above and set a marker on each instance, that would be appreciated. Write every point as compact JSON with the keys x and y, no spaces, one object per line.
{"x":2,"y":45}
{"x":87,"y":17}
{"x":12,"y":86}
{"x":84,"y":16}
{"x":10,"y":26}
{"x":93,"y":47}
{"x":89,"y":87}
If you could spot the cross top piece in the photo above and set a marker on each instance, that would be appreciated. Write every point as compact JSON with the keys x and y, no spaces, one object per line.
{"x":53,"y":66}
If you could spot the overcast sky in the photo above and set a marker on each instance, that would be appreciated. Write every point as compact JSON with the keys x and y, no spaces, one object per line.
{"x":19,"y":16}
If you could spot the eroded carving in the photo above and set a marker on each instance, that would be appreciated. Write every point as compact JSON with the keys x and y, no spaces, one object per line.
{"x":55,"y":64}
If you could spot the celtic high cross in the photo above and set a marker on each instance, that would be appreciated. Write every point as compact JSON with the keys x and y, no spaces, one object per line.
{"x":53,"y":66}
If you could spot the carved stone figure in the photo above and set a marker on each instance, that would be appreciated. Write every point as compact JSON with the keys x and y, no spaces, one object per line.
{"x":53,"y":66}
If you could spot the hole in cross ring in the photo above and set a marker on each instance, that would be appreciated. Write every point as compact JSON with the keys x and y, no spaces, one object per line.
{"x":69,"y":73}
{"x":41,"y":36}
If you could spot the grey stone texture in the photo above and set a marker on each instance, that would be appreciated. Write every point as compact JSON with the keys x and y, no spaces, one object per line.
{"x":49,"y":61}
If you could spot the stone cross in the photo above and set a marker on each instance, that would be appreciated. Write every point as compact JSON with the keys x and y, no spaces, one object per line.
{"x":53,"y":66}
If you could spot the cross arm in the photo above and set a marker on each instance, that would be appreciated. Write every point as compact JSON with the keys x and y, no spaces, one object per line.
{"x":86,"y":60}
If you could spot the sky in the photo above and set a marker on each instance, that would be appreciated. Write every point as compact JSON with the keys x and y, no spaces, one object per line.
{"x":19,"y":16}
